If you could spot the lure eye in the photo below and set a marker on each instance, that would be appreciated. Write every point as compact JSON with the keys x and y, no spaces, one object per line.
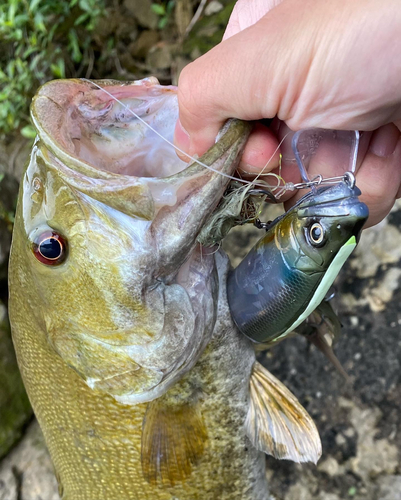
{"x":316,"y":234}
{"x":50,"y":248}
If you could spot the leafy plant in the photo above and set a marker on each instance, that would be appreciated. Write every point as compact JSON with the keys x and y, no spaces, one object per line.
{"x":163,"y":10}
{"x":40,"y":40}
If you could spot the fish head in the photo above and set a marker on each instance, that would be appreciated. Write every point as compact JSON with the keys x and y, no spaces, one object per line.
{"x":319,"y":225}
{"x":79,"y":255}
{"x":105,"y":258}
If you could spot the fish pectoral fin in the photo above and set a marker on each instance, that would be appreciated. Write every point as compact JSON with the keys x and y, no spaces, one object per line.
{"x":173,"y":440}
{"x":277,"y":424}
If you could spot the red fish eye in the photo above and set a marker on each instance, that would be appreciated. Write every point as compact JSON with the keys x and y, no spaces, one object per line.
{"x":50,"y":248}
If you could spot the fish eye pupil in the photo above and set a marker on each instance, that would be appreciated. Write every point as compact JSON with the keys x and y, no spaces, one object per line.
{"x":50,"y":248}
{"x":316,"y":233}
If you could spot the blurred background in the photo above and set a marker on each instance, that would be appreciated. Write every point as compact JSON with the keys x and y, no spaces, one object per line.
{"x":360,"y":423}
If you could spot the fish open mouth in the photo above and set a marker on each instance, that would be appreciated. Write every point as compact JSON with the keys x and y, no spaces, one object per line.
{"x":98,"y":124}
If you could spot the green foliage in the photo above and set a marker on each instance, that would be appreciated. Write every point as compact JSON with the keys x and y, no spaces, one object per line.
{"x":40,"y":40}
{"x":163,"y":10}
{"x":208,"y":31}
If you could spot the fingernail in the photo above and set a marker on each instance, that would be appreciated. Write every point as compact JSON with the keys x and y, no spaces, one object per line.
{"x":182,"y":141}
{"x":384,"y":140}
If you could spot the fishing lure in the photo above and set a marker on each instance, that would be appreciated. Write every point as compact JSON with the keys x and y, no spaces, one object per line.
{"x":287,"y":274}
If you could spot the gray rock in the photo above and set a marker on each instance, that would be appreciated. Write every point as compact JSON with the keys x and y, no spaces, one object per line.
{"x":159,"y":57}
{"x":213,"y":7}
{"x":380,"y":244}
{"x":374,"y":456}
{"x":146,"y":40}
{"x":14,"y":154}
{"x":141,"y":10}
{"x":27,"y":473}
{"x":389,"y":488}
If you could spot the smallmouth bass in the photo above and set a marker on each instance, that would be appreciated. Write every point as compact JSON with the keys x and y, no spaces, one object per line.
{"x":136,"y":373}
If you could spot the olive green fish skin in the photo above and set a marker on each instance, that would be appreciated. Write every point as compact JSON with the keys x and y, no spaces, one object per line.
{"x":136,"y":311}
{"x":275,"y":282}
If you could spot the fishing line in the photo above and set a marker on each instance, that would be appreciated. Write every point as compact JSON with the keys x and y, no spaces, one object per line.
{"x":127,"y":108}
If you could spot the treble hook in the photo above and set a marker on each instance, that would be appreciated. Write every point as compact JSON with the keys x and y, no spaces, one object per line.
{"x":263,"y":192}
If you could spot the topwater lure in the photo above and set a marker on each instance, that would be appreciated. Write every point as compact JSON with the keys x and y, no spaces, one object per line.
{"x":287,"y":274}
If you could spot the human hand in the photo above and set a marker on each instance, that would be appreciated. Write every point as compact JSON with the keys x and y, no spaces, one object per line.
{"x":333,"y":64}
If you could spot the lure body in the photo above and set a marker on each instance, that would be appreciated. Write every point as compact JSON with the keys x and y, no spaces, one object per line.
{"x":287,"y":273}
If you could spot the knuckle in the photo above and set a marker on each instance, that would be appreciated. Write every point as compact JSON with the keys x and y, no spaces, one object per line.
{"x":187,"y":91}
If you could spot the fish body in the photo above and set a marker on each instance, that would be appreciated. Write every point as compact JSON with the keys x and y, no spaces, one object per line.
{"x":287,"y":274}
{"x":136,"y":373}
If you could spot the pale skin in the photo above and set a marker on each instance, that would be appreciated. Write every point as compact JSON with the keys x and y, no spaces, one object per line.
{"x":332,"y":64}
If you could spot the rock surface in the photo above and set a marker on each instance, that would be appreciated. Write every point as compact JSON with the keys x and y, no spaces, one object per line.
{"x":15,"y":409}
{"x":27,"y":473}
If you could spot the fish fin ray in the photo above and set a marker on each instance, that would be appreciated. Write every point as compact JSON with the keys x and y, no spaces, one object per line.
{"x":276,"y":422}
{"x":173,"y":441}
